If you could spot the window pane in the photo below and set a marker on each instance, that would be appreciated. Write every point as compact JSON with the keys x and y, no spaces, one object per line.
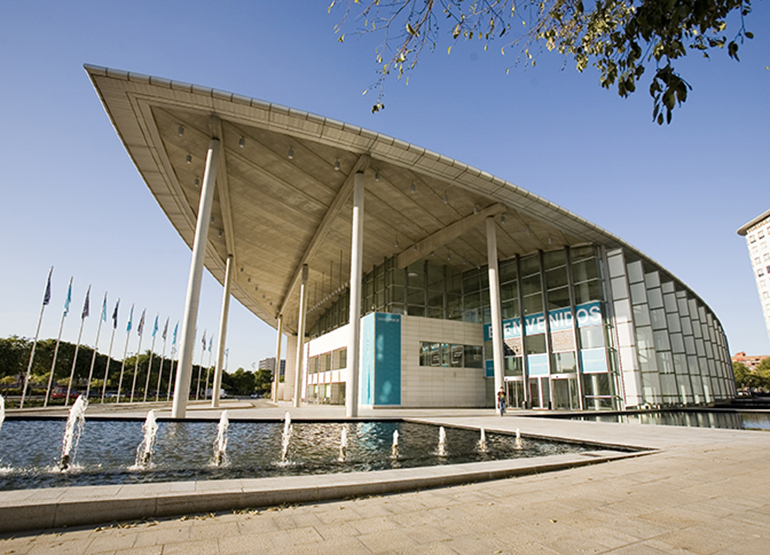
{"x":533,"y":304}
{"x":535,"y":344}
{"x":474,"y":357}
{"x":592,"y":337}
{"x":530,"y":285}
{"x":564,"y":363}
{"x":530,"y":265}
{"x":552,"y":259}
{"x":584,"y":270}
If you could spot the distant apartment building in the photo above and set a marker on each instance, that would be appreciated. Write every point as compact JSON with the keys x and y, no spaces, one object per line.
{"x":757,"y":233}
{"x":269,"y":364}
{"x":751,"y":361}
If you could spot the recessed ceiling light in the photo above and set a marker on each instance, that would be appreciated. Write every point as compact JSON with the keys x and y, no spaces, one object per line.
{"x":180,"y":130}
{"x":188,"y":159}
{"x":241,"y":142}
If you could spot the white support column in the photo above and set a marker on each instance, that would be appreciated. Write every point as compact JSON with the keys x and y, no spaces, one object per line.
{"x":299,"y":363}
{"x":356,"y":252}
{"x":276,"y":376}
{"x":215,"y":387}
{"x":494,"y":299}
{"x":184,"y":367}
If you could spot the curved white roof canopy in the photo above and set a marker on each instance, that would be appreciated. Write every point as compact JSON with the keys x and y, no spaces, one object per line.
{"x":273,"y":214}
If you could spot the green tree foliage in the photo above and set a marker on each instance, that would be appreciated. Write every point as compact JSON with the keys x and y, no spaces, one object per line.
{"x":744,"y":378}
{"x":240,"y":382}
{"x":756,"y":379}
{"x":621,"y":38}
{"x":263,"y":381}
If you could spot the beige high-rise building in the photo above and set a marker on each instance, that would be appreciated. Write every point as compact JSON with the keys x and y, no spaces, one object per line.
{"x":757,"y":233}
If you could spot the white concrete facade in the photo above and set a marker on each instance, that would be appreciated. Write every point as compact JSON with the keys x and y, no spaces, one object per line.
{"x":757,"y":233}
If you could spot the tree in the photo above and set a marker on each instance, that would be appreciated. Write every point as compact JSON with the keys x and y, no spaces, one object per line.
{"x":263,"y":381}
{"x":621,"y":38}
{"x":744,"y":378}
{"x":242,"y":382}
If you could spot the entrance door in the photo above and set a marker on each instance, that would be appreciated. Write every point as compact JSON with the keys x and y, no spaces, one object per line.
{"x":565,"y":393}
{"x":540,"y":392}
{"x":514,"y":391}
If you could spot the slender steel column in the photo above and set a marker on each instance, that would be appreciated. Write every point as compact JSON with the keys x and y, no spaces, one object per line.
{"x":356,"y":253}
{"x":547,"y":322}
{"x":215,"y":387}
{"x":184,"y":367}
{"x":575,"y":331}
{"x":277,"y":370}
{"x":522,"y":319}
{"x":494,"y":299}
{"x":299,"y":363}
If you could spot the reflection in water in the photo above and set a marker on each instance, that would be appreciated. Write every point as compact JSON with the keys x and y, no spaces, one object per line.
{"x":182,"y":450}
{"x":728,"y":420}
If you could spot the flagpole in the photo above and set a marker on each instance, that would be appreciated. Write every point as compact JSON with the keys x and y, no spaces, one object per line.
{"x":96,"y":344}
{"x":171,"y":369}
{"x":125,"y":351}
{"x":170,"y":373}
{"x":83,"y":317}
{"x":138,"y":351}
{"x":46,"y":298}
{"x":162,"y":360}
{"x":208,"y":370}
{"x":58,"y":338}
{"x":109,"y":356}
{"x":149,"y":366}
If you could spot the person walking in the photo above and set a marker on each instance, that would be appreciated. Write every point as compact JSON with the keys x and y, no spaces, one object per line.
{"x":501,"y":401}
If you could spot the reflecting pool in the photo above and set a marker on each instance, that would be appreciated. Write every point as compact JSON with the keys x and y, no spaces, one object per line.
{"x":183,"y":451}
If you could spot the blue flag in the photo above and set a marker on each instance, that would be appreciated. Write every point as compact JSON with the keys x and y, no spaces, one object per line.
{"x":115,"y":315}
{"x":173,"y":342}
{"x":155,"y":327}
{"x":104,"y":308}
{"x":68,"y":300}
{"x":211,"y":340}
{"x":130,"y":319}
{"x":86,"y":304}
{"x":47,"y":295}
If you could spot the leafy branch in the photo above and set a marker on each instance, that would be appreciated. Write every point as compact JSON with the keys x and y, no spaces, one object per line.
{"x":620,"y":38}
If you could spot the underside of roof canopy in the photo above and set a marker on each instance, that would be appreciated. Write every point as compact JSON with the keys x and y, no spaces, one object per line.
{"x":283,"y":187}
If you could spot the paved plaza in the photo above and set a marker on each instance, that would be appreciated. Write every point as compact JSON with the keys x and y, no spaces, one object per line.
{"x":703,"y":491}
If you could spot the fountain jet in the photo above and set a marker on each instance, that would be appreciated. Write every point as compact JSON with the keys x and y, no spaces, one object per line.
{"x":75,"y":422}
{"x":441,"y":442}
{"x":394,"y":449}
{"x":518,"y":444}
{"x":483,"y":442}
{"x":343,"y":444}
{"x":220,"y":443}
{"x":144,"y":451}
{"x":286,"y":437}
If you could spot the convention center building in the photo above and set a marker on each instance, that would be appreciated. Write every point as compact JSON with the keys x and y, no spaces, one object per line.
{"x":457,"y":282}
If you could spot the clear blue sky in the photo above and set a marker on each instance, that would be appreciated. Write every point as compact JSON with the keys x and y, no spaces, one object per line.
{"x":71,"y":197}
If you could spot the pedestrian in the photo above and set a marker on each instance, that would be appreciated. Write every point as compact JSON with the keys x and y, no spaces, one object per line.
{"x":501,"y":402}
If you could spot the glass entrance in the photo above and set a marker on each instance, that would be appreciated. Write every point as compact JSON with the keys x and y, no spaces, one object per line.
{"x":540,"y":392}
{"x":565,"y":392}
{"x":514,"y":391}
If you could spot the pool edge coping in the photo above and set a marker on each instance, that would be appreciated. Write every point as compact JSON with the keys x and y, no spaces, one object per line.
{"x":50,"y":508}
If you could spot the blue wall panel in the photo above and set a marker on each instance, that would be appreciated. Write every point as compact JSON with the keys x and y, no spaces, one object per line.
{"x":387,"y":359}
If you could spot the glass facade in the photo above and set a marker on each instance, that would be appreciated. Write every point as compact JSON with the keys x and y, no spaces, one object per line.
{"x":560,"y":342}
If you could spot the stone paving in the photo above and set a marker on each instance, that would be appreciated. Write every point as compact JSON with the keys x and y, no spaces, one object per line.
{"x":705,"y":492}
